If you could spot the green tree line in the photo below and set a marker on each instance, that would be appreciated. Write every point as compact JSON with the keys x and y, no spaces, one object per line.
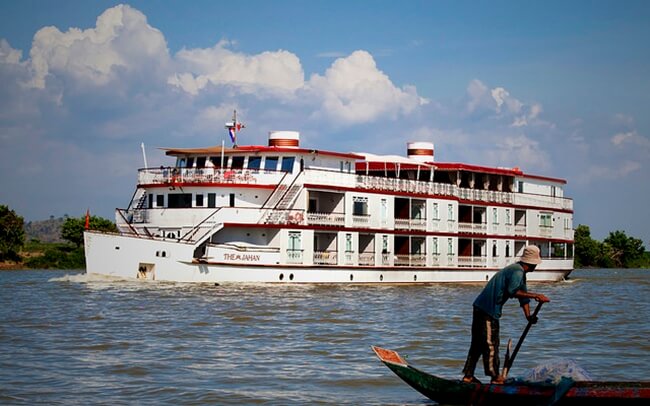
{"x":68,"y":255}
{"x":616,"y":251}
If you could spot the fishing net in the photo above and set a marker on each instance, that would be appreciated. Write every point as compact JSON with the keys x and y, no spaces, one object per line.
{"x":553,"y":371}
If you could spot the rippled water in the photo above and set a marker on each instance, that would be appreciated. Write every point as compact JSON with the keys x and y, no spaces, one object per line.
{"x":70,"y":338}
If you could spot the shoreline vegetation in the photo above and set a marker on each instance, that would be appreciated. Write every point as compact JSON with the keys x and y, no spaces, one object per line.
{"x":57,"y":244}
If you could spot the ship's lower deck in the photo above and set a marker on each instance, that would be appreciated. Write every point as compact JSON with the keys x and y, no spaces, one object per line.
{"x":129,"y":257}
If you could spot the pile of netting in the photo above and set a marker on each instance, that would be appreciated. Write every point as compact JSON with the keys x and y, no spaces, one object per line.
{"x":554,"y":370}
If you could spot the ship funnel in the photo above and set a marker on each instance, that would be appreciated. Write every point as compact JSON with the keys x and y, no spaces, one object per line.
{"x":284,"y":139}
{"x":420,"y":151}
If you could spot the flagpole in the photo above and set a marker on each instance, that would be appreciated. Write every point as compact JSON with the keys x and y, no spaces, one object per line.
{"x":144,"y":155}
{"x":222,"y":146}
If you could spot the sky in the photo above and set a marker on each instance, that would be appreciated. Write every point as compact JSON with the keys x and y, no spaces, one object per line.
{"x":556,"y":88}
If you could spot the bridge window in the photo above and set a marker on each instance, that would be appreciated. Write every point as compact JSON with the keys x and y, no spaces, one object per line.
{"x":271,"y":163}
{"x":287,"y":163}
{"x":199,"y":200}
{"x":254,"y":162}
{"x":179,"y":200}
{"x":237,"y":162}
{"x":160,"y":200}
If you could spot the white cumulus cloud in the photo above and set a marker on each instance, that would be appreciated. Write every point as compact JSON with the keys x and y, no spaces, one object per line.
{"x":354,"y":90}
{"x":121,"y":39}
{"x":278,"y":72}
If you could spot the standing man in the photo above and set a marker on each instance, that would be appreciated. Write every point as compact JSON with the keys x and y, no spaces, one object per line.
{"x":508,"y":282}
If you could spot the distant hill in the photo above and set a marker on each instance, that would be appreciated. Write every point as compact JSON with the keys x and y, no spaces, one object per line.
{"x":45,"y":230}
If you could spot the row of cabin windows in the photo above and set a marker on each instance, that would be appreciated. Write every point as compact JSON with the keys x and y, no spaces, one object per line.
{"x":269,"y":163}
{"x":184,"y":200}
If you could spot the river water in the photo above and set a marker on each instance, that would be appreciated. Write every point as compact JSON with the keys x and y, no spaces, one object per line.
{"x":71,"y":338}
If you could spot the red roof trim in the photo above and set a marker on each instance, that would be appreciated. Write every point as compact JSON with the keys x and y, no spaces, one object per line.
{"x":547,"y":178}
{"x":216,"y":150}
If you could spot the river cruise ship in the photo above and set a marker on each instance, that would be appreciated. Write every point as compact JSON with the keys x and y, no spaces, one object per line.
{"x":283,"y":213}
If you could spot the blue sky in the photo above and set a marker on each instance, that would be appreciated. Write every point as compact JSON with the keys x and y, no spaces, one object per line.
{"x":556,"y":88}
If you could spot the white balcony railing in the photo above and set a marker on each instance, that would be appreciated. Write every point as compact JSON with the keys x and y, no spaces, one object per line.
{"x":326,"y":219}
{"x":411,"y":224}
{"x":360,"y":220}
{"x":410,"y":260}
{"x":294,"y":256}
{"x":472,"y":262}
{"x":367,"y":259}
{"x":325,"y":257}
{"x":477,"y":228}
{"x":520,"y":229}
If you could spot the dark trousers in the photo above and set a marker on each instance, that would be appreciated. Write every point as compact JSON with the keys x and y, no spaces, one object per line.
{"x":485,"y":342}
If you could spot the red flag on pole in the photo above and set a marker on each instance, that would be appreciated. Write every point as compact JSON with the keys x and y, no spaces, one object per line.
{"x":87,"y":226}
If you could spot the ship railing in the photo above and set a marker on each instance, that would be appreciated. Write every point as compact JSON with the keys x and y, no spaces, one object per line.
{"x":410,"y":260}
{"x":520,"y":230}
{"x":284,"y":216}
{"x":294,"y":256}
{"x":472,"y":261}
{"x":325,"y":257}
{"x":325,"y":219}
{"x":385,"y":259}
{"x":411,"y":224}
{"x":476,"y":228}
{"x":173,"y":175}
{"x":367,"y":259}
{"x":529,"y":199}
{"x":361,"y":220}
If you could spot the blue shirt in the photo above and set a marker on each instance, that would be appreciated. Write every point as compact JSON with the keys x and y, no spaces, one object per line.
{"x":503,"y":285}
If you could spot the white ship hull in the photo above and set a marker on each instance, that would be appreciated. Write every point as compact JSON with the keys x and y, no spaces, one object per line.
{"x":127,"y":261}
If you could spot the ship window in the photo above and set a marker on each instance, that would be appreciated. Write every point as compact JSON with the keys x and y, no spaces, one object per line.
{"x":348,"y":243}
{"x":360,"y":206}
{"x":160,"y":200}
{"x":200,"y":162}
{"x":212,"y":200}
{"x":216,"y":161}
{"x":232,"y":200}
{"x":520,"y":187}
{"x":495,"y":216}
{"x":450,"y":246}
{"x":254,"y":162}
{"x":199,"y":200}
{"x":450,"y":214}
{"x":151,"y":201}
{"x":237,"y":162}
{"x":181,"y":163}
{"x":287,"y":163}
{"x":434,"y":248}
{"x":545,"y":220}
{"x":508,"y":219}
{"x":179,"y":200}
{"x":507,"y":248}
{"x":436,"y":213}
{"x":271,"y":163}
{"x":190,"y":162}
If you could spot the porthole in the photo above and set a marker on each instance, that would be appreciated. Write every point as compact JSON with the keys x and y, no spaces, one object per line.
{"x":281,"y":276}
{"x":415,"y":278}
{"x":290,"y":277}
{"x":117,"y":248}
{"x":486,"y":277}
{"x":157,"y":253}
{"x":164,"y":254}
{"x":381,"y":278}
{"x":351,"y":277}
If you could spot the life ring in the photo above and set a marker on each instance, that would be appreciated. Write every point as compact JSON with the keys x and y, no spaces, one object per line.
{"x":298,"y":217}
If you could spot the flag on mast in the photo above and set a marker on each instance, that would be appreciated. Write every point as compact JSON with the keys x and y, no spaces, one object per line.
{"x":233,"y":127}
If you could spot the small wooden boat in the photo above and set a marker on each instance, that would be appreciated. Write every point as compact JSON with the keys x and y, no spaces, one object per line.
{"x":456,"y":392}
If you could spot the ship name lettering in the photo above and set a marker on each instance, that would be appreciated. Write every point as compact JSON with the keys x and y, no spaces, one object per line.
{"x":241,"y":257}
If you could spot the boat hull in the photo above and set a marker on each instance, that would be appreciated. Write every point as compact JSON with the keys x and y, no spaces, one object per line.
{"x":456,"y":392}
{"x":167,"y":260}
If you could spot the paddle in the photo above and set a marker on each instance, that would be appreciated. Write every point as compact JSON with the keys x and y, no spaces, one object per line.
{"x":507,"y":364}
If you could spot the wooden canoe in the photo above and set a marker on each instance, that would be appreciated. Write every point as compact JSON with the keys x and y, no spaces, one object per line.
{"x":456,"y":392}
